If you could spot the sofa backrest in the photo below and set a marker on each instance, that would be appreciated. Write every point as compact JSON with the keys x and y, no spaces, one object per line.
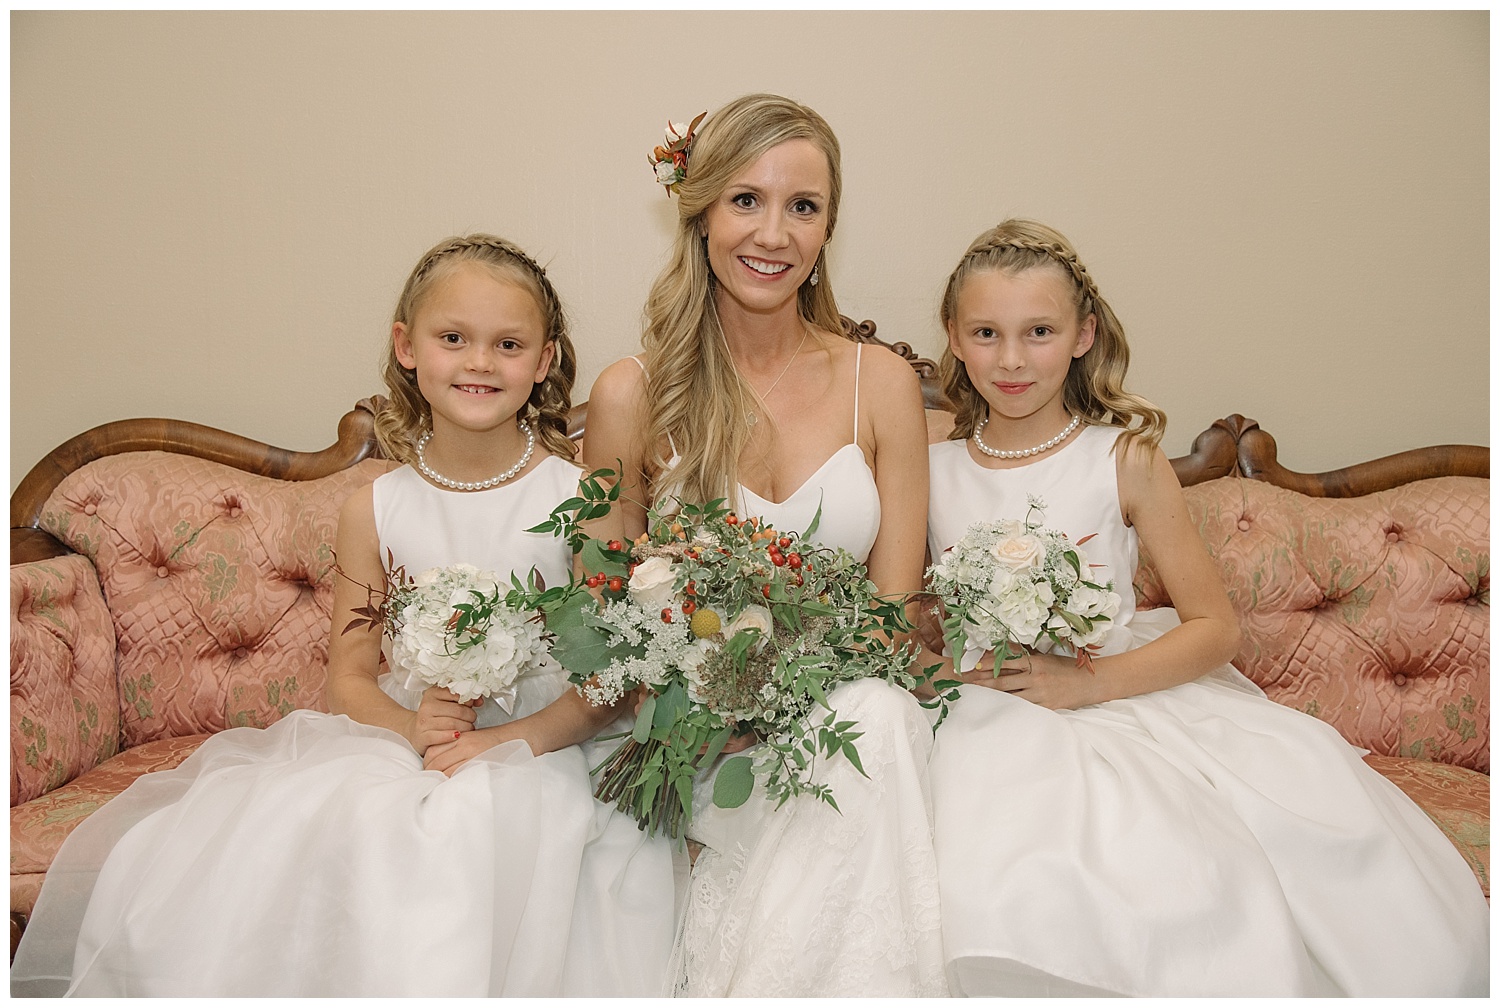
{"x":1371,"y":612}
{"x":64,"y":698}
{"x":219,"y":584}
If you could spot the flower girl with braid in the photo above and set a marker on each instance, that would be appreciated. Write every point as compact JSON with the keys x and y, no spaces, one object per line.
{"x":1154,"y":826}
{"x":407,"y":844}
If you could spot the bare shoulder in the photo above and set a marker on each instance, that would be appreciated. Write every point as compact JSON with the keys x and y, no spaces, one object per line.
{"x":1148,"y":484}
{"x":358,"y":511}
{"x":619,"y":385}
{"x":884,"y":369}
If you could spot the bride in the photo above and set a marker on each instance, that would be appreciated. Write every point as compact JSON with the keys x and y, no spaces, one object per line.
{"x":748,"y":391}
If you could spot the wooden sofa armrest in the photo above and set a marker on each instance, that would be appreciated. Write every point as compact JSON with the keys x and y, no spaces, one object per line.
{"x":355,"y":442}
{"x":1256,"y":459}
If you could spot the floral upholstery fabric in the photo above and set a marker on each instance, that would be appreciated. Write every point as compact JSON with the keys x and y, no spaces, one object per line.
{"x":219,"y":582}
{"x":64,"y":703}
{"x":1371,"y":613}
{"x":1458,"y":800}
{"x":38,"y":827}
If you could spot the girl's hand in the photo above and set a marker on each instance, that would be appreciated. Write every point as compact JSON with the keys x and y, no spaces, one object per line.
{"x":449,"y":757}
{"x":1048,"y":680}
{"x":441,"y":717}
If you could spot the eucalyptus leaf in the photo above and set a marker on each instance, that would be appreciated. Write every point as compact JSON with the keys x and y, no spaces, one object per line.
{"x":644,"y":719}
{"x":734,"y":782}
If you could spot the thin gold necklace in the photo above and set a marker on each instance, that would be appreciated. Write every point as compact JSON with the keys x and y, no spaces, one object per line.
{"x":750,"y":416}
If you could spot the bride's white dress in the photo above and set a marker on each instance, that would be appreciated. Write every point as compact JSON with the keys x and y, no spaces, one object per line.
{"x":803,"y":900}
{"x":318,"y":858}
{"x":1195,"y":841}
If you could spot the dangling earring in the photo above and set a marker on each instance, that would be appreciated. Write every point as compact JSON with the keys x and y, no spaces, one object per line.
{"x":814,"y":278}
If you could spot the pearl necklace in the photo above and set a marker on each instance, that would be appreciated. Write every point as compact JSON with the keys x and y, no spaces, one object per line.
{"x":997,"y":453}
{"x":492,"y":481}
{"x":750,"y":417}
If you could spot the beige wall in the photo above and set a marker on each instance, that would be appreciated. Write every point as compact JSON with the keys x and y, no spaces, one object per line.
{"x":211,"y":214}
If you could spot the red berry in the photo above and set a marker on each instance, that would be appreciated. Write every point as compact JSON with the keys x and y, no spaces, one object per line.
{"x":666,"y":615}
{"x":765,"y":590}
{"x":795,"y":560}
{"x":778,"y":559}
{"x":615,"y":545}
{"x":730,"y":519}
{"x":783,"y":542}
{"x":691,"y":588}
{"x":616,"y":583}
{"x":689,"y":607}
{"x":797,"y":580}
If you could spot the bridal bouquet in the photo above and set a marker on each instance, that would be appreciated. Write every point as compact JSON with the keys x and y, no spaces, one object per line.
{"x":455,"y":627}
{"x":1009,"y":585}
{"x":725,"y":626}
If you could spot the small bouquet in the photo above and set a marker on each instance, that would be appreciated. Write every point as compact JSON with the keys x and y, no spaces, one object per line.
{"x":454,"y":627}
{"x":730,"y":626}
{"x":1012,"y":585}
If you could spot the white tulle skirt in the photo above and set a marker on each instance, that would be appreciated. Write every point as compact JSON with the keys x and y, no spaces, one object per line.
{"x":1196,"y":841}
{"x":318,"y":858}
{"x":803,"y":900}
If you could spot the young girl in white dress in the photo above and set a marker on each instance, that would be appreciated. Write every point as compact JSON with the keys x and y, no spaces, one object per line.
{"x":1155,"y":826}
{"x":407,"y":844}
{"x":748,"y":391}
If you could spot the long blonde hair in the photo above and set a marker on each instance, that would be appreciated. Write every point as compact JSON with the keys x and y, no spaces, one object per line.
{"x":407,"y":414}
{"x":1095,"y":386}
{"x":697,"y":400}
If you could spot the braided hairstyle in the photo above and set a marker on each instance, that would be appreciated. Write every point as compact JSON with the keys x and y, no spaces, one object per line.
{"x":407,"y":414}
{"x":1095,"y":386}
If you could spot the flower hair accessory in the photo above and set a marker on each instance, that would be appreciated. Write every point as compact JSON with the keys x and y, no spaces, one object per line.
{"x":670,"y":160}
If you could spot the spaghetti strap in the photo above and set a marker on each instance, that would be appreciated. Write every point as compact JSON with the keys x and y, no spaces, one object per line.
{"x":670,"y":443}
{"x":858,"y":349}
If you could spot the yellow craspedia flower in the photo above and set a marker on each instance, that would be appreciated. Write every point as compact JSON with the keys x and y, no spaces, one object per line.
{"x":705,"y":623}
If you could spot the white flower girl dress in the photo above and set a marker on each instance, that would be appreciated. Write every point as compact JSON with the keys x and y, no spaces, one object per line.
{"x":318,"y":858}
{"x":1201,"y":840}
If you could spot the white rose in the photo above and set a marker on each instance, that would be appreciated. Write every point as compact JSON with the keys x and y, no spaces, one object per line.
{"x":1022,"y":552}
{"x":753,"y":617}
{"x":652,"y":583}
{"x":666,"y":172}
{"x":676,"y":132}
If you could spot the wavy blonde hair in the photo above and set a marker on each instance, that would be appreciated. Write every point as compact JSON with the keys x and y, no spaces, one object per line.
{"x":697,"y":400}
{"x":1095,"y":386}
{"x":407,"y":414}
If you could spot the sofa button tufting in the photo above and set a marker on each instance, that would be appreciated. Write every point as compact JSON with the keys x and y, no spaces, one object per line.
{"x":241,"y":653}
{"x":1244,"y":524}
{"x":1399,"y":679}
{"x":90,"y":509}
{"x":234,"y":512}
{"x":1392,"y":535}
{"x":162,"y":572}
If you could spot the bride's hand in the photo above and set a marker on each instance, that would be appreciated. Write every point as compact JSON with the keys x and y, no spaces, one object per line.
{"x":930,"y":626}
{"x":1048,"y":680}
{"x":441,"y":717}
{"x":736,"y":743}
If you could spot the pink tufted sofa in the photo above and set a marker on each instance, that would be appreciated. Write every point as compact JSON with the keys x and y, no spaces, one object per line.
{"x":169,"y":581}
